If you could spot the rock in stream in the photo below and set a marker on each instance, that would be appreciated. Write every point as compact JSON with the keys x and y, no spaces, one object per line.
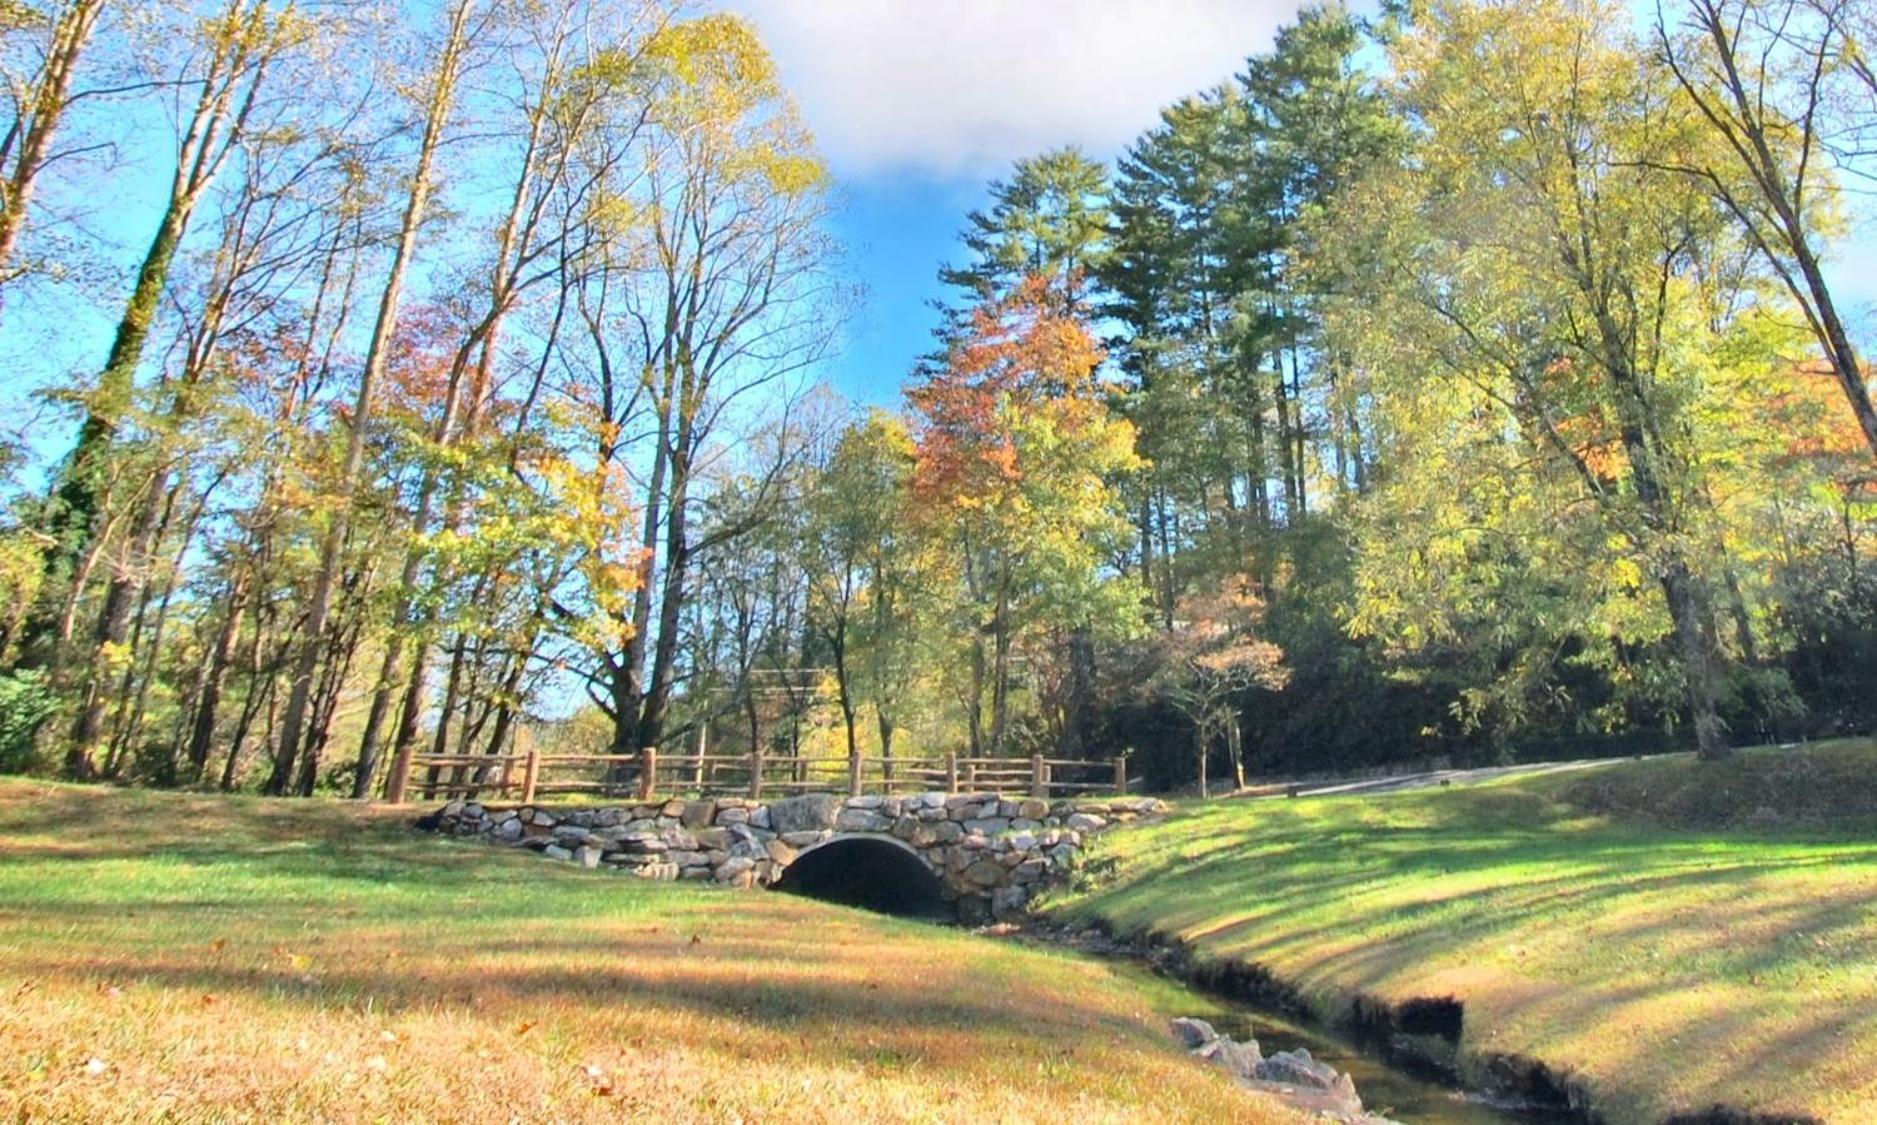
{"x":1292,"y":1077}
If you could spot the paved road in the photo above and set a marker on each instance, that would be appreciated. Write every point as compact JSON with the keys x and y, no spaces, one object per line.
{"x":1401,"y":783}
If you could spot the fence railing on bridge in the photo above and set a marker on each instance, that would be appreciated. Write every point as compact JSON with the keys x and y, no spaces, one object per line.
{"x":531,"y":776}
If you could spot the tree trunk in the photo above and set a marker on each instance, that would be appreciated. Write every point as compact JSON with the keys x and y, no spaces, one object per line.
{"x":215,"y":679}
{"x":376,"y":356}
{"x":32,"y":132}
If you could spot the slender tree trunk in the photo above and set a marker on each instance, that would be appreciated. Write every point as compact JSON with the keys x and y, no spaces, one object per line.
{"x":29,"y":142}
{"x":1000,"y":669}
{"x":416,"y":203}
{"x":215,"y":679}
{"x":76,"y":511}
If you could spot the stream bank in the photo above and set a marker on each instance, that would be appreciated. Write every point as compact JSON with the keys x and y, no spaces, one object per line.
{"x":1403,"y":1060}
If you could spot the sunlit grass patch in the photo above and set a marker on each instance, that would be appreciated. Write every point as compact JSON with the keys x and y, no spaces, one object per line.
{"x":208,"y":958}
{"x":1583,"y":919}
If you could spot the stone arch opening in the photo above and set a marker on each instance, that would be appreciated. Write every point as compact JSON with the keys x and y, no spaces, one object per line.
{"x":875,"y":873}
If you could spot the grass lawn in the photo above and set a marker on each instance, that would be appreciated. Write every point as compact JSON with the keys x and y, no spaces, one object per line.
{"x":1672,"y":934}
{"x":206,"y":958}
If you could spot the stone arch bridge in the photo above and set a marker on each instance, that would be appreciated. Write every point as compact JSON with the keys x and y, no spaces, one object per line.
{"x":973,"y":857}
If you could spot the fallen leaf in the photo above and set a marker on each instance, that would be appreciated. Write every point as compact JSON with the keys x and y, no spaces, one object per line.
{"x":524,"y":1027}
{"x":208,"y":999}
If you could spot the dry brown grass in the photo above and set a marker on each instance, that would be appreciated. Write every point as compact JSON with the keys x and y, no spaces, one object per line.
{"x":214,"y":959}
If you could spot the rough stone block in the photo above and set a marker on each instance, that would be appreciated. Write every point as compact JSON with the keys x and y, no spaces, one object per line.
{"x":861,"y":820}
{"x":730,"y":869}
{"x":984,"y":873}
{"x":1006,"y":901}
{"x":809,"y":812}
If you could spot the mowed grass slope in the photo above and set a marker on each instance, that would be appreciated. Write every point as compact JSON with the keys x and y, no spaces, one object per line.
{"x":229,"y":959}
{"x":1674,"y":935}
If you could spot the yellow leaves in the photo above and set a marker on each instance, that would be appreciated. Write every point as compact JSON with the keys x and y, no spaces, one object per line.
{"x":719,"y":50}
{"x":786,"y":173}
{"x":114,"y":656}
{"x":615,"y":213}
{"x":1626,"y":574}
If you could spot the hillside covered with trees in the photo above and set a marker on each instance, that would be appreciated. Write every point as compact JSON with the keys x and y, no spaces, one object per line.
{"x":1467,"y":382}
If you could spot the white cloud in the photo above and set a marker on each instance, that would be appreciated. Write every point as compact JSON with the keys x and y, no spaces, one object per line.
{"x":962,"y":87}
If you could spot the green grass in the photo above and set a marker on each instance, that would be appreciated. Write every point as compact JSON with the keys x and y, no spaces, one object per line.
{"x":1672,"y":934}
{"x":228,"y":959}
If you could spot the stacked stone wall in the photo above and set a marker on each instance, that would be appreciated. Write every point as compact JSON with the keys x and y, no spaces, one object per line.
{"x":991,"y":853}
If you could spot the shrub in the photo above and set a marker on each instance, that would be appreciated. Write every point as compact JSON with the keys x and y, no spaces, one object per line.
{"x":26,"y":702}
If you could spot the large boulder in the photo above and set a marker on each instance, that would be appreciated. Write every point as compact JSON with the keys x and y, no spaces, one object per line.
{"x":1240,"y":1060}
{"x":811,"y":812}
{"x":1193,"y":1033}
{"x":1297,"y":1068}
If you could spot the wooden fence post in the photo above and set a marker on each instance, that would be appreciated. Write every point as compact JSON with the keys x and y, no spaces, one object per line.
{"x":1039,"y":777}
{"x":530,"y":776}
{"x":951,"y":772}
{"x":648,"y":772}
{"x":971,"y":776}
{"x":853,"y":774}
{"x":755,"y":775}
{"x":1121,"y":777}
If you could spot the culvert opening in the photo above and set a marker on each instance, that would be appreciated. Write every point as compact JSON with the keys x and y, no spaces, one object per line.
{"x":871,"y":873}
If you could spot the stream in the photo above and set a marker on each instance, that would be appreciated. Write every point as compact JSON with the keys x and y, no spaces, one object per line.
{"x":1391,"y":1090}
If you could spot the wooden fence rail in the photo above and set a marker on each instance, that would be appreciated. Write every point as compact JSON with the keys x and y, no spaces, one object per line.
{"x":650,"y":772}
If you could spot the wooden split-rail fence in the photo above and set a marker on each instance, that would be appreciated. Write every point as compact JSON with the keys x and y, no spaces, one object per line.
{"x":532,"y":776}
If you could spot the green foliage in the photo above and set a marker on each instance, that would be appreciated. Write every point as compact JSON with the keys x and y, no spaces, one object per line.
{"x":27,"y":701}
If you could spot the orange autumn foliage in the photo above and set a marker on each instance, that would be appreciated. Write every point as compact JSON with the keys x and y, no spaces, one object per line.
{"x":1022,"y":353}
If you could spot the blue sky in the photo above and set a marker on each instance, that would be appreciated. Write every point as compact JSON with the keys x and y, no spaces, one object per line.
{"x":918,"y":104}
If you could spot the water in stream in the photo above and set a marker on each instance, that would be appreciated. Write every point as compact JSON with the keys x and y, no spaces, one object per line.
{"x":1386,"y":1089}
